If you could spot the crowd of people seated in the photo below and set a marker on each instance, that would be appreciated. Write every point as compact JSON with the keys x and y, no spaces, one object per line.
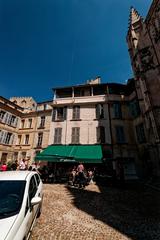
{"x":77,"y":176}
{"x":80,"y":177}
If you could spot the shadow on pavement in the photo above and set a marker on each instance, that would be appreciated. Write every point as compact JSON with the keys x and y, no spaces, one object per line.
{"x":133,"y":211}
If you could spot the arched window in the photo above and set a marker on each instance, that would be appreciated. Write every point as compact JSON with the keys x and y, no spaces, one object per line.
{"x":23,"y":103}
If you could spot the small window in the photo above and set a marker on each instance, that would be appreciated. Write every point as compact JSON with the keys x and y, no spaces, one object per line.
{"x":40,"y":138}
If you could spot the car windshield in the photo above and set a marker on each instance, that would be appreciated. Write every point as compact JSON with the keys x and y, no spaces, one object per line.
{"x":11,"y":197}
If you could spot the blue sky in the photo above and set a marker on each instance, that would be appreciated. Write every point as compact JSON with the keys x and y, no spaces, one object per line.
{"x":52,"y":43}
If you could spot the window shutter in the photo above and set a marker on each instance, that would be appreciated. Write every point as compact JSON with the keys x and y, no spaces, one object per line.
{"x":59,"y":135}
{"x":74,"y":113}
{"x":78,"y":112}
{"x":16,"y":122}
{"x":53,"y":114}
{"x":78,"y":134}
{"x":97,"y":111}
{"x":12,"y":139}
{"x":73,"y":133}
{"x":102,"y":134}
{"x":98,"y":134}
{"x":64,"y":113}
{"x":4,"y":137}
{"x":6,"y":118}
{"x":1,"y":136}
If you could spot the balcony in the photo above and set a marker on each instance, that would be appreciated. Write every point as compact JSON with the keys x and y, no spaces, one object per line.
{"x":79,"y":100}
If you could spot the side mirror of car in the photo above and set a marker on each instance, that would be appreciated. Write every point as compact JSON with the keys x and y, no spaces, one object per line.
{"x":35,"y":201}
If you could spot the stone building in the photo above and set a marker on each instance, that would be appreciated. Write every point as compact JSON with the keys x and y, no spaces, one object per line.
{"x":143,"y":40}
{"x":97,"y":113}
{"x":10,"y":117}
{"x":24,"y":131}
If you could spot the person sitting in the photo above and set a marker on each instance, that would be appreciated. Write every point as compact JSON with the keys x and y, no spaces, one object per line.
{"x":14,"y":165}
{"x":4,"y":167}
{"x":22,"y":165}
{"x":90,"y":176}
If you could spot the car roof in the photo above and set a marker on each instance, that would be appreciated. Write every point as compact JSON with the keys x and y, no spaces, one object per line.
{"x":15,"y":175}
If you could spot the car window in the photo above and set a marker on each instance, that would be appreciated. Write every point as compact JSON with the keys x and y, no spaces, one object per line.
{"x":32,"y":188}
{"x":37,"y":179}
{"x":11,"y":197}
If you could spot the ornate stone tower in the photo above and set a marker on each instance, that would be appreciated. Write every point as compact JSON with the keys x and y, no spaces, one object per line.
{"x":146,"y":69}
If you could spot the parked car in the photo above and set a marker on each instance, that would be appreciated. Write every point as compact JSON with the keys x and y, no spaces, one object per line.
{"x":20,"y":203}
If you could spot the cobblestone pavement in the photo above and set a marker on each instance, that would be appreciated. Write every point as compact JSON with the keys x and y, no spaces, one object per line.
{"x":98,"y":213}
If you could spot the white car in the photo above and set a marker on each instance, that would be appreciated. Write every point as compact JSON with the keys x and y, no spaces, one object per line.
{"x":20,"y":203}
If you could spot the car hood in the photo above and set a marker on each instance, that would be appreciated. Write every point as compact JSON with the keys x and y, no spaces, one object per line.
{"x":5,"y":226}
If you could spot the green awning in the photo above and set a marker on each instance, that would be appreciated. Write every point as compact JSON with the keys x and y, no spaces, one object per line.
{"x":71,"y":153}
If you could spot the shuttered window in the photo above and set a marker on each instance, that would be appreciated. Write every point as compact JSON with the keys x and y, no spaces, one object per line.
{"x":59,"y":114}
{"x":75,"y":135}
{"x":2,"y":113}
{"x":8,"y":138}
{"x":40,"y":138}
{"x":76,"y":112}
{"x":117,"y":110}
{"x":42,"y":122}
{"x":57,"y":135}
{"x":26,"y":139}
{"x":120,"y":137}
{"x":101,"y":134}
